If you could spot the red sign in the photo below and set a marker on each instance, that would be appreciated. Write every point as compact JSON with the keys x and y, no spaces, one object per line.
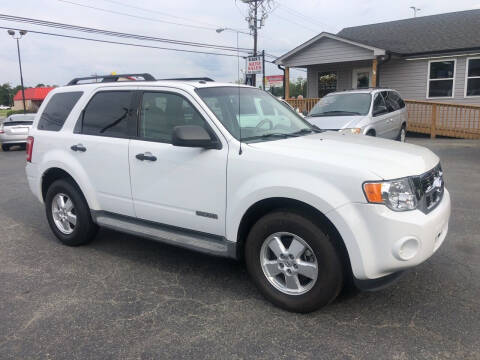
{"x":274,"y":80}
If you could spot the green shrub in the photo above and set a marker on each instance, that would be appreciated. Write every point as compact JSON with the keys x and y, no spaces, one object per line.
{"x":12,"y":112}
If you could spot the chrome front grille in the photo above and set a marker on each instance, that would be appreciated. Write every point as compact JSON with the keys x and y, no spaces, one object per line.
{"x":429,"y":188}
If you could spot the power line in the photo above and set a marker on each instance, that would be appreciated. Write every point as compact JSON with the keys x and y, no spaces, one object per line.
{"x":163,"y":13}
{"x":301,"y":15}
{"x":120,"y":43}
{"x":137,"y":16}
{"x":296,"y":23}
{"x":116,"y":34}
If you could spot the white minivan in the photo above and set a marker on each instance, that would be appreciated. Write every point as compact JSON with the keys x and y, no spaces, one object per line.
{"x":373,"y":112}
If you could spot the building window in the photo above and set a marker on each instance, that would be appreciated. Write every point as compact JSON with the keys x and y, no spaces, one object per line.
{"x":441,"y":78}
{"x":473,"y":77}
{"x":327,"y":83}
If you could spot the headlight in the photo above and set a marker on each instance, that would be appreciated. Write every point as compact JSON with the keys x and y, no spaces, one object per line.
{"x":397,"y":195}
{"x":351,"y":131}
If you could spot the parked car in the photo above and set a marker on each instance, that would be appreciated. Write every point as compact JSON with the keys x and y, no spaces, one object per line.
{"x":14,"y":130}
{"x":374,"y":112}
{"x":229,"y":170}
{"x":4,"y":107}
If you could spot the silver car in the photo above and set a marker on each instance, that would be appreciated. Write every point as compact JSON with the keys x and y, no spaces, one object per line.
{"x":14,"y":130}
{"x":374,"y":112}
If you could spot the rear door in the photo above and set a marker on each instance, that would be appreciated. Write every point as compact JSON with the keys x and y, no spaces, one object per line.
{"x":100,"y":143}
{"x":178,"y":186}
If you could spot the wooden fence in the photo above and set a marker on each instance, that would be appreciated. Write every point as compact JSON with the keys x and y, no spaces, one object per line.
{"x":432,"y":118}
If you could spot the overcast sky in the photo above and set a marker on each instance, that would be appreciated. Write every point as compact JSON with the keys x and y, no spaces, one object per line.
{"x":53,"y":60}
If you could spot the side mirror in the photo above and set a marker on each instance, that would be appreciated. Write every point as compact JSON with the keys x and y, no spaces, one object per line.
{"x":193,"y":136}
{"x":380,"y":110}
{"x":304,"y":112}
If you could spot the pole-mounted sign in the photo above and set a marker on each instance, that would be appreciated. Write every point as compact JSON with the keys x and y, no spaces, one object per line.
{"x":254,"y":65}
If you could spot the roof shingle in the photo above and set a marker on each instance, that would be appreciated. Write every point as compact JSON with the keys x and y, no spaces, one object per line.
{"x":426,"y":34}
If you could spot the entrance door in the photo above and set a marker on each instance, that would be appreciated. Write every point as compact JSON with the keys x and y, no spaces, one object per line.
{"x":362,"y":78}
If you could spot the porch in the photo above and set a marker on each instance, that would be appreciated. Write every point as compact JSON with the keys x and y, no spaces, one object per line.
{"x":431,"y":118}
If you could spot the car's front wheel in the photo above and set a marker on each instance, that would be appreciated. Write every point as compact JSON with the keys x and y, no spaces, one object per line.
{"x":5,"y":147}
{"x":68,"y":213}
{"x":293,"y":262}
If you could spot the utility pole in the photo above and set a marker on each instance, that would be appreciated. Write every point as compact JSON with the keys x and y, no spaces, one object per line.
{"x":255,"y":23}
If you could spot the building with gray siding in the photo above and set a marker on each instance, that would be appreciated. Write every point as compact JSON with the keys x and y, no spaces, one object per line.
{"x":433,"y":58}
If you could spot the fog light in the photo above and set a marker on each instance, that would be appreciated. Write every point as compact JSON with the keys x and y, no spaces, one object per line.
{"x":406,"y":248}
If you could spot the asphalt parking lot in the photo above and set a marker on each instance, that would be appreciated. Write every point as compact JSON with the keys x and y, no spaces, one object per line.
{"x":125,"y":297}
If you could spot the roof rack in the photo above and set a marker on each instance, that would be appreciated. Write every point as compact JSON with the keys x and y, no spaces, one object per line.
{"x":192,"y":79}
{"x":113,"y":78}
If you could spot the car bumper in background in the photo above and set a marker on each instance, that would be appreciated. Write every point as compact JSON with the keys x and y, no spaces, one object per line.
{"x":381,"y":242}
{"x":13,"y":139}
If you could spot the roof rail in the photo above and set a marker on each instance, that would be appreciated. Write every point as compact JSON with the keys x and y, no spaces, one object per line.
{"x":112,"y":78}
{"x":191,"y":79}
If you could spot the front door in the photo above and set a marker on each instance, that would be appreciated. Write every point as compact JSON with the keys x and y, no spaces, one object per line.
{"x":362,"y":78}
{"x":178,"y":186}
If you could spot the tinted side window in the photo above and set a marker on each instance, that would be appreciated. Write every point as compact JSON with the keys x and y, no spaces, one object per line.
{"x":379,"y":106}
{"x":161,"y":112}
{"x":392,"y":105}
{"x":57,"y":110}
{"x":108,"y":113}
{"x":397,"y":99}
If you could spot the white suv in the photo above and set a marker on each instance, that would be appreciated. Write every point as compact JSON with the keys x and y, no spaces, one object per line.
{"x":373,"y":112}
{"x":308,"y":211}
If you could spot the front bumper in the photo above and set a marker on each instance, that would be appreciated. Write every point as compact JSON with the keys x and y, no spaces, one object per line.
{"x":381,"y":242}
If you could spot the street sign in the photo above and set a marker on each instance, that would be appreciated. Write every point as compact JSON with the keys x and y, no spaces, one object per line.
{"x":254,"y":65}
{"x":273,"y":80}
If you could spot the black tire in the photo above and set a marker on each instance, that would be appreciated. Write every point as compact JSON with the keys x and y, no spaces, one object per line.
{"x":5,"y":147}
{"x":403,"y":128}
{"x":85,"y":229}
{"x":330,"y":268}
{"x":371,"y":133}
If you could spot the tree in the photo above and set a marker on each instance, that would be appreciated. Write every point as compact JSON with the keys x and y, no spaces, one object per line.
{"x":40,"y":85}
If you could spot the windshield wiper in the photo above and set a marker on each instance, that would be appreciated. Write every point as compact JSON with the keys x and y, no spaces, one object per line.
{"x":314,"y":129}
{"x":326,"y":113}
{"x":270,"y":135}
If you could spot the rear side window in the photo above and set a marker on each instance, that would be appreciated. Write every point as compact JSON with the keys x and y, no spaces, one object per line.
{"x":395,"y":97}
{"x":57,"y":110}
{"x":108,"y":114}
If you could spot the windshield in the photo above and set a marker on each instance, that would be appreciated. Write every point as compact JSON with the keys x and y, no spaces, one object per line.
{"x":345,"y":104}
{"x":253,"y":113}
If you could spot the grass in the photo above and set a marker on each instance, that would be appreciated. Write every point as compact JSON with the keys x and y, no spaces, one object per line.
{"x":3,"y":113}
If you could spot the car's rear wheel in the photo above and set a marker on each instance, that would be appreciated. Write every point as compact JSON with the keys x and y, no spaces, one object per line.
{"x":5,"y":147}
{"x":68,"y":213}
{"x":293,"y":262}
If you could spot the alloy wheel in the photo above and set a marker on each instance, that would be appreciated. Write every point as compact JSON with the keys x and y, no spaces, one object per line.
{"x":63,"y":213}
{"x":289,"y":263}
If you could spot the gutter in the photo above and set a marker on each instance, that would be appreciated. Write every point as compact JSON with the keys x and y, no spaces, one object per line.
{"x":383,"y":60}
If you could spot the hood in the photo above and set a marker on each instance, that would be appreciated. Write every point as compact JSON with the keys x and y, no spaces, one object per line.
{"x":335,"y":122}
{"x":386,"y":159}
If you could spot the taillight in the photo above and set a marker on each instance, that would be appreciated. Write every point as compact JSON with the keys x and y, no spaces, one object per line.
{"x":29,"y":148}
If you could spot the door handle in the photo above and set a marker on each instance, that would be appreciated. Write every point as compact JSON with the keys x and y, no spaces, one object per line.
{"x":78,"y":147}
{"x":146,"y":156}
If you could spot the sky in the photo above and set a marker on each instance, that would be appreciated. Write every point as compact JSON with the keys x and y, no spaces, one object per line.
{"x":55,"y":60}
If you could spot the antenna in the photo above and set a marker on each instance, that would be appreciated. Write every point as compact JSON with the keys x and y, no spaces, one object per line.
{"x":415,"y":10}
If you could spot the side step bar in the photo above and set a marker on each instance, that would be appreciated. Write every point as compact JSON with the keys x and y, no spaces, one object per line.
{"x":189,"y":239}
